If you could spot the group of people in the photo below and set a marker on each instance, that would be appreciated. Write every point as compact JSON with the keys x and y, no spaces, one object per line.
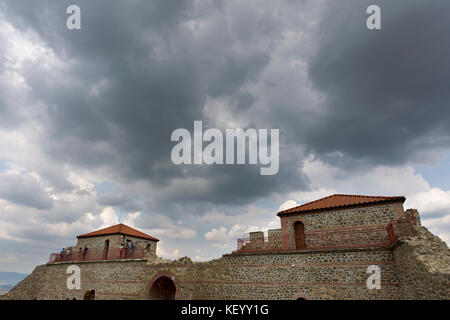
{"x":66,"y":254}
{"x":127,"y":249}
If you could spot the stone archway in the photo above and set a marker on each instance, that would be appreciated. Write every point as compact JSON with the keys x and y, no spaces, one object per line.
{"x":300,"y":297}
{"x":163,"y":289}
{"x":163,"y":286}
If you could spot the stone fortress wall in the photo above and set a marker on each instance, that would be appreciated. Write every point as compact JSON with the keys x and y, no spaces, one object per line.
{"x":414,"y":266}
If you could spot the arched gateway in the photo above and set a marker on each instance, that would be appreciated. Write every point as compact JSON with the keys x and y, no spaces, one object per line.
{"x":163,"y":288}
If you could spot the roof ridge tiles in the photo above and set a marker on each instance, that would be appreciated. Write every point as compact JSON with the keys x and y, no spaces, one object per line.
{"x":118,"y":229}
{"x":338,"y":201}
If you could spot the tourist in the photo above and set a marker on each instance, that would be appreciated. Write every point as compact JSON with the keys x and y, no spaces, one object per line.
{"x":80,"y":252}
{"x":121,"y":250}
{"x":126,"y":248}
{"x":132,"y":248}
{"x":85,"y":252}
{"x":62,"y":253}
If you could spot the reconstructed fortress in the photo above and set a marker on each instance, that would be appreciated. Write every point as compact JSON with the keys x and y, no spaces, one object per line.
{"x":322,"y":251}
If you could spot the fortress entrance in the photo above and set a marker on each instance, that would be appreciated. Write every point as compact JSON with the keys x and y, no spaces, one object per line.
{"x":163,"y":289}
{"x":299,"y":235}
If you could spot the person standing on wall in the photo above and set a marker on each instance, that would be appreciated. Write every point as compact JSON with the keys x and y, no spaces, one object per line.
{"x":126,"y":248}
{"x":132,"y":248}
{"x":85,"y":251}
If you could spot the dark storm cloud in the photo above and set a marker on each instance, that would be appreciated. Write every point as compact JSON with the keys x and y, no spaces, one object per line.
{"x":133,"y":74}
{"x":137,"y":71}
{"x":386,"y":92}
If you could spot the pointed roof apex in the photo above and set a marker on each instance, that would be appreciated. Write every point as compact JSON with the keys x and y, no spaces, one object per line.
{"x":339,"y":201}
{"x":118,"y":229}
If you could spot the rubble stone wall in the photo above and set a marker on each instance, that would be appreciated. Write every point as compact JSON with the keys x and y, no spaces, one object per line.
{"x":423,"y":266}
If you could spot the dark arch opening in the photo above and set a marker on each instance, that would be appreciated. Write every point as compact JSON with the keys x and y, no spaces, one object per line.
{"x":163,"y":289}
{"x":89,"y":295}
{"x":300,"y":298}
{"x":299,"y":229}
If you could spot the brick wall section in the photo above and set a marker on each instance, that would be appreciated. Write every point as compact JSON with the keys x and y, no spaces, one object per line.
{"x":109,"y":279}
{"x":369,"y":215}
{"x":114,"y":242}
{"x":423,"y":266}
{"x":314,"y":275}
{"x":350,"y":226}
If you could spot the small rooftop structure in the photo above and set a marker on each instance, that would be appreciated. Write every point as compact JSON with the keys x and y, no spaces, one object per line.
{"x":340,"y":201}
{"x":118,"y":229}
{"x":113,"y":243}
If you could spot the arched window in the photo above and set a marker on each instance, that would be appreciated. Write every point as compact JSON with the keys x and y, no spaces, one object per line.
{"x":299,"y":230}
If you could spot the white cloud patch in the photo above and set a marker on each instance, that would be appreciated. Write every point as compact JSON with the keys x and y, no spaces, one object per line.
{"x":168,"y":254}
{"x":288,"y":205}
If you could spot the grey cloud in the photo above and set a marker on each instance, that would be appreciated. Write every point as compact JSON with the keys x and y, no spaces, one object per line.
{"x":24,"y":190}
{"x":386,"y":91}
{"x":153,"y":75}
{"x":139,"y":71}
{"x":121,"y":201}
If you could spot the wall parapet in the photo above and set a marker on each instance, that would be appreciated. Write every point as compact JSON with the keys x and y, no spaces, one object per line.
{"x":98,"y":255}
{"x":403,"y":227}
{"x":360,"y":237}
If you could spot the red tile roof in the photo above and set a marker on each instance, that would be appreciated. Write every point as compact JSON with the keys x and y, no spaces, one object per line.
{"x":339,"y":201}
{"x":118,"y":229}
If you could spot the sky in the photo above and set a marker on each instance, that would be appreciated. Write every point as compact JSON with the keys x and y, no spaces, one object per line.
{"x":86,"y":116}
